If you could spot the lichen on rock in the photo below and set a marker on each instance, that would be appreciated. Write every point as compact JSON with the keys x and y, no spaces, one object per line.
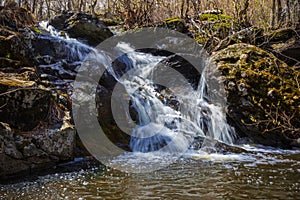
{"x":262,"y":94}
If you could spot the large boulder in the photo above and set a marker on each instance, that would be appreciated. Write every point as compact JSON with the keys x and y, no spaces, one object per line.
{"x":82,"y":26}
{"x":263,"y":95}
{"x":35,"y":129}
{"x":23,"y":153}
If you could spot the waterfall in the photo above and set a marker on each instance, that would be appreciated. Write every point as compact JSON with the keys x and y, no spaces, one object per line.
{"x":161,"y":127}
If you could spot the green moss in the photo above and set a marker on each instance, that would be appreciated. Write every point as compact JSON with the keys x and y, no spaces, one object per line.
{"x":176,"y":23}
{"x":8,"y":56}
{"x":201,"y":38}
{"x":282,"y":34}
{"x":272,"y":87}
{"x":173,"y":20}
{"x":37,"y":30}
{"x":110,"y":22}
{"x":214,"y":17}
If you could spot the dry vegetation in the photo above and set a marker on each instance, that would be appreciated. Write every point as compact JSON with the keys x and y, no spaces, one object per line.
{"x":261,"y":13}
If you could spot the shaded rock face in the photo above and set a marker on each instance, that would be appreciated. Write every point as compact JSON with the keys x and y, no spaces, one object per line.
{"x":15,"y":49}
{"x":35,"y":130}
{"x":23,"y":152}
{"x":25,"y":107}
{"x":82,"y":26}
{"x":262,"y":94}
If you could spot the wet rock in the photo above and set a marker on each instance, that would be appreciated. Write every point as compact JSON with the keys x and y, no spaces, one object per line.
{"x":249,"y":75}
{"x":82,"y":26}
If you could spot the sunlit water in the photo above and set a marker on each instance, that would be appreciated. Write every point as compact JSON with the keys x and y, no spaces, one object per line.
{"x":258,"y":174}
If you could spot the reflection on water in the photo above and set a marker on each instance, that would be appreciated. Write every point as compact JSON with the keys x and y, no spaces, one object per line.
{"x":259,"y":174}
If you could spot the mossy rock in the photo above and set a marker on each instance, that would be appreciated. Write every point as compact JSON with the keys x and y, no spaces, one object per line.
{"x":214,"y":17}
{"x":215,"y":27}
{"x":285,"y":44}
{"x":281,"y":35}
{"x":110,"y":22}
{"x":177,"y":24}
{"x":263,"y":94}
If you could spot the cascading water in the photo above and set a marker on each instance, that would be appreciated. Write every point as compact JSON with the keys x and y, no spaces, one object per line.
{"x":162,"y":127}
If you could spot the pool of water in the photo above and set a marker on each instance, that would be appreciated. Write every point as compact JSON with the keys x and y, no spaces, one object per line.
{"x":259,"y":173}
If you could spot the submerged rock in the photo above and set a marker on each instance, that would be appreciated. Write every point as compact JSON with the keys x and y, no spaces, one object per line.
{"x":262,"y":94}
{"x":82,"y":26}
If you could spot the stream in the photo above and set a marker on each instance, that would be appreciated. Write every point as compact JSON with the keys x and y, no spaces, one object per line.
{"x":162,"y":140}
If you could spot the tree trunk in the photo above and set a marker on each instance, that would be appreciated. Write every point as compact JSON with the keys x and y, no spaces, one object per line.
{"x":33,"y":6}
{"x":273,"y":13}
{"x":40,"y":12}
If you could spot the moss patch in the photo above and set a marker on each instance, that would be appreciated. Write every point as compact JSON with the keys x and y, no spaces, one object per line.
{"x":214,"y":17}
{"x":177,"y":24}
{"x":263,"y":92}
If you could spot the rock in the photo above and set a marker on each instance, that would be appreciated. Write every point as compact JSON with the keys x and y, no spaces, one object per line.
{"x":250,"y":73}
{"x":82,"y":26}
{"x":16,"y":47}
{"x":24,"y":104}
{"x":176,"y":24}
{"x":59,"y":21}
{"x":10,"y":162}
{"x":211,"y":28}
{"x":35,"y":130}
{"x":58,"y":141}
{"x":22,"y":153}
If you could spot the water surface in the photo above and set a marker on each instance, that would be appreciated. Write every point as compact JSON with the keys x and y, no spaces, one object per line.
{"x":258,"y":174}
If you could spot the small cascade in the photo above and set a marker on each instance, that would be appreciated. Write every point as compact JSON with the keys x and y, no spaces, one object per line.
{"x":161,"y":127}
{"x":59,"y":56}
